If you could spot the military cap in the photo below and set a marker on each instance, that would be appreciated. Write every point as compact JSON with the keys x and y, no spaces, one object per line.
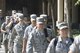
{"x":17,"y":14}
{"x":33,"y":16}
{"x":40,"y":20}
{"x":13,"y":11}
{"x":20,"y":15}
{"x":44,"y":16}
{"x":8,"y":17}
{"x":62,"y":25}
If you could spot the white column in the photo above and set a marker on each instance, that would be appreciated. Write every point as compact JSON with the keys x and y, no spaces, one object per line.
{"x":60,"y":10}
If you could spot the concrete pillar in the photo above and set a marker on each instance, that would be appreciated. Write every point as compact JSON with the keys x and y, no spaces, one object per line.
{"x":2,"y":7}
{"x":60,"y":10}
{"x":65,"y":11}
{"x":74,"y":12}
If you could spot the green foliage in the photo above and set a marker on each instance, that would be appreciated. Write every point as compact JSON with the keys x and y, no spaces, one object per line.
{"x":78,"y":2}
{"x":75,"y":32}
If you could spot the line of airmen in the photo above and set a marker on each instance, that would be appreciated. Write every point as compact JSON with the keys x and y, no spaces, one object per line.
{"x":21,"y":37}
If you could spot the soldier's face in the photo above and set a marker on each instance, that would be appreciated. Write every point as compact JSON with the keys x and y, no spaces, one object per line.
{"x":40,"y":25}
{"x":13,"y":12}
{"x":64,"y":32}
{"x":26,"y":21}
{"x":33,"y":22}
{"x":21,"y":20}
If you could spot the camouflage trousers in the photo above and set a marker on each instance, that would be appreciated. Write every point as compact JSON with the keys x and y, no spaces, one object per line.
{"x":6,"y":46}
{"x":17,"y":48}
{"x":1,"y":38}
{"x":10,"y":46}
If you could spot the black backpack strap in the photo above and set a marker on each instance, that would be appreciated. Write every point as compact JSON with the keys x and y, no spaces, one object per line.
{"x":72,"y":39}
{"x":45,"y":32}
{"x":55,"y":41}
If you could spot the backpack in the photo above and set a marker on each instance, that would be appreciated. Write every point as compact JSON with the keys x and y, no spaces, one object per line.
{"x":56,"y":39}
{"x":46,"y":35}
{"x":45,"y":32}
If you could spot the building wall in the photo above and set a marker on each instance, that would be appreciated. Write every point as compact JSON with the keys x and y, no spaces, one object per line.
{"x":2,"y":6}
{"x":31,"y":5}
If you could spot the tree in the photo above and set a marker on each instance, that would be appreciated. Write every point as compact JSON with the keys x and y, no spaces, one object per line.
{"x":78,"y":2}
{"x":53,"y":15}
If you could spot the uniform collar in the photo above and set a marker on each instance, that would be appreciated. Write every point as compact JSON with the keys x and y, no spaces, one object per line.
{"x":21,"y":24}
{"x":32,"y":25}
{"x":59,"y":39}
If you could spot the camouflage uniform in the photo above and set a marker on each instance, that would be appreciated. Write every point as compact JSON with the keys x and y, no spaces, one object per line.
{"x":28,"y":31}
{"x":5,"y":36}
{"x":38,"y":41}
{"x":75,"y":47}
{"x":63,"y":42}
{"x":61,"y":46}
{"x":30,"y":27}
{"x":17,"y":37}
{"x":11,"y":25}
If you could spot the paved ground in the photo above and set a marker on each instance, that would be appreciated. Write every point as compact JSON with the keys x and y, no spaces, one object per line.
{"x":2,"y":49}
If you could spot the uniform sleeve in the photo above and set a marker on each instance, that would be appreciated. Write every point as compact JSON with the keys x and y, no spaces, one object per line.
{"x":75,"y":46}
{"x":30,"y":44}
{"x":26,"y":33}
{"x":50,"y":48}
{"x":77,"y":40}
{"x":3,"y":26}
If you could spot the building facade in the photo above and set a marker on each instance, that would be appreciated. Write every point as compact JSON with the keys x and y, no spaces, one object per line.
{"x":43,"y":6}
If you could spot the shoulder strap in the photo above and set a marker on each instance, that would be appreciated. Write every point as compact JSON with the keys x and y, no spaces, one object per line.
{"x":72,"y":39}
{"x":45,"y":32}
{"x":55,"y":41}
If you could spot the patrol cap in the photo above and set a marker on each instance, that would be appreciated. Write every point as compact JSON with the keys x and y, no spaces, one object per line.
{"x":40,"y":20}
{"x":20,"y":15}
{"x":13,"y":11}
{"x":62,"y":25}
{"x":44,"y":16}
{"x":8,"y":17}
{"x":33,"y":16}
